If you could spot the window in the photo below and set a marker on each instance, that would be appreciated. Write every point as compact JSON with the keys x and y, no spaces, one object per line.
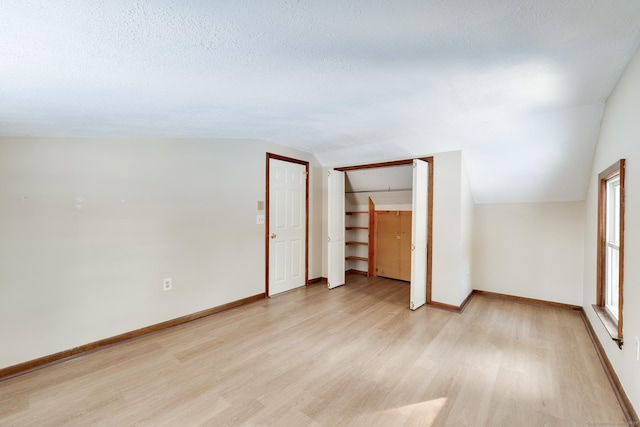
{"x":611,"y":249}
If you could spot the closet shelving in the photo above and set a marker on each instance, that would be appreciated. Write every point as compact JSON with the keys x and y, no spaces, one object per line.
{"x":357,"y":241}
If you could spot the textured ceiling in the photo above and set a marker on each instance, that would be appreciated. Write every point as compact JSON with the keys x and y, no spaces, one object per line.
{"x":519,"y":86}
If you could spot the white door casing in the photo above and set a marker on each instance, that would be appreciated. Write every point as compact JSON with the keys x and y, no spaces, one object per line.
{"x":287,"y":225}
{"x":336,"y":231}
{"x":419,"y":236}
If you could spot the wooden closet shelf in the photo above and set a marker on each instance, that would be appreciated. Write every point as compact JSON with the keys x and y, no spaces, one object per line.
{"x":356,"y":243}
{"x":356,"y":258}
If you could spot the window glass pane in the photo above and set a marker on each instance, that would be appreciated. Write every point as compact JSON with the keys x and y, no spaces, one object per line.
{"x":616,"y":218}
{"x":613,"y":210}
{"x":611,"y":292}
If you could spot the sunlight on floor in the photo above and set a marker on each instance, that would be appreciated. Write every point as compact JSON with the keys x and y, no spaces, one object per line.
{"x":423,"y":412}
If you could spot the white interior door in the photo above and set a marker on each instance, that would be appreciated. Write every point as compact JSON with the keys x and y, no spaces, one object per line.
{"x":287,"y":225}
{"x":335,"y":225}
{"x":419,"y":235}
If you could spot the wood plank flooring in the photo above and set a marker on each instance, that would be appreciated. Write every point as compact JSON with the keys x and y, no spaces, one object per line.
{"x":351,"y":356}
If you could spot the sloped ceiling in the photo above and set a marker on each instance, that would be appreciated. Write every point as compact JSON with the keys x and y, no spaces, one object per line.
{"x":519,"y":86}
{"x":385,"y":186}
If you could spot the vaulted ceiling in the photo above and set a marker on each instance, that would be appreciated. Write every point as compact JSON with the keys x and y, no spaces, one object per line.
{"x":519,"y":86}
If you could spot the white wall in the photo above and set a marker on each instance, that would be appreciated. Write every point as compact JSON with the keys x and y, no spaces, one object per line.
{"x":447,"y":234}
{"x":619,"y":138}
{"x":452,"y":229}
{"x":71,"y":276}
{"x":394,"y":207}
{"x":467,"y":209}
{"x":531,"y":250}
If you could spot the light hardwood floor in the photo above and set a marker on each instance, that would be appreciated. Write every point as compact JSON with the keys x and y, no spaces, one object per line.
{"x":355,"y":355}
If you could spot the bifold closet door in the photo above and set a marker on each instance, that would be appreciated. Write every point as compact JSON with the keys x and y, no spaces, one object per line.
{"x":420,"y":200}
{"x":335,"y":225}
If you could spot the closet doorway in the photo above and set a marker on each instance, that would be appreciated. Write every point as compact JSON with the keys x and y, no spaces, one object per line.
{"x":357,"y":196}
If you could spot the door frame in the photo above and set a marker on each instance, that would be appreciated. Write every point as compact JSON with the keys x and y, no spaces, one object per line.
{"x":429,"y":207}
{"x":270,"y":156}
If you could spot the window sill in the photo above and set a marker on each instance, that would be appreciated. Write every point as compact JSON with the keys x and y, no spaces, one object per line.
{"x":609,"y":324}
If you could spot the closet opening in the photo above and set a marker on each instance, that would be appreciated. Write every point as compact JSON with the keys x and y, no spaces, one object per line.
{"x":380,"y":223}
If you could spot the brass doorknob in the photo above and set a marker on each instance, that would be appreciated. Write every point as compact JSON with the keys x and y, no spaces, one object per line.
{"x":273,"y":235}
